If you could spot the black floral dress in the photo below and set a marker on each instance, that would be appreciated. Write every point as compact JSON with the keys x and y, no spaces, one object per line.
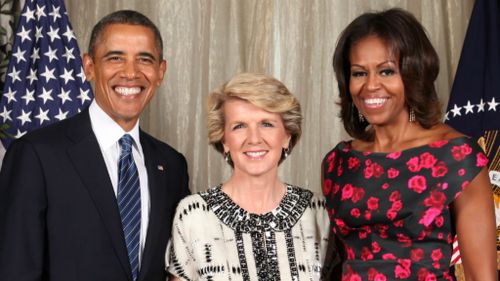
{"x":392,"y":210}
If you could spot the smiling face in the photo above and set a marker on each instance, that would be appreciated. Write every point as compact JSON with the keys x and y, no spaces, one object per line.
{"x":126,"y":69}
{"x":376,"y":85}
{"x":254,"y":137}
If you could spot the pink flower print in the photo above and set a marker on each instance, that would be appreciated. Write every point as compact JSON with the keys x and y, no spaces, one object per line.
{"x":368,"y":215}
{"x":375,"y":247}
{"x":395,"y":195}
{"x":432,"y":277}
{"x":344,"y":230}
{"x":358,"y":194}
{"x":331,"y":161}
{"x":372,"y":169}
{"x":336,"y":188}
{"x":397,"y":205}
{"x":391,"y":214}
{"x":394,"y":155}
{"x":392,"y":173}
{"x":385,"y":186}
{"x":366,"y":254}
{"x":436,"y":254}
{"x":439,"y":221}
{"x":422,"y":235}
{"x":355,"y":277}
{"x":402,"y":272}
{"x":380,"y":277}
{"x":382,"y":230}
{"x":327,"y":187}
{"x":413,"y":165}
{"x":427,"y":160}
{"x":353,"y":163}
{"x":465,"y":184}
{"x":355,"y":212}
{"x":350,"y":253}
{"x":339,"y":168}
{"x":371,"y":273}
{"x":422,"y":274}
{"x":417,"y":254}
{"x":436,"y":199}
{"x":439,"y":170}
{"x":372,"y":203}
{"x":417,"y":184}
{"x":377,"y":170}
{"x":362,"y":234}
{"x":461,"y":172}
{"x":438,"y":144}
{"x":404,"y":240}
{"x":368,"y":172}
{"x":481,"y":160}
{"x":405,"y":263}
{"x":460,"y":152}
{"x":347,"y":192}
{"x":429,"y":216}
{"x":388,"y":256}
{"x":399,"y":223}
{"x":449,"y":238}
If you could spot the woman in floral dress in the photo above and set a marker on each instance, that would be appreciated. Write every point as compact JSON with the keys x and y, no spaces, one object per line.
{"x":407,"y":183}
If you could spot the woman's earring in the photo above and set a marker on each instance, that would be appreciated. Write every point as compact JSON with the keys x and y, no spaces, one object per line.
{"x":227,"y":156}
{"x":286,"y":151}
{"x":361,"y":117}
{"x":412,"y":115}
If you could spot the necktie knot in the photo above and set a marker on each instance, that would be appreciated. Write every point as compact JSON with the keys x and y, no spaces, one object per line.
{"x":126,"y":143}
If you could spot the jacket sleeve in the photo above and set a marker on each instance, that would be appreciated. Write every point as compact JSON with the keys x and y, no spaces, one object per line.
{"x":23,"y":206}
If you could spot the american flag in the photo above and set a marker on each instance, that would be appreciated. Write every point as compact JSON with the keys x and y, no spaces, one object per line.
{"x":45,"y":82}
{"x":474,"y":105}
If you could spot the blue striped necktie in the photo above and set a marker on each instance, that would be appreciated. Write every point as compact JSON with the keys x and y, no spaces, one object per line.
{"x":129,"y":201}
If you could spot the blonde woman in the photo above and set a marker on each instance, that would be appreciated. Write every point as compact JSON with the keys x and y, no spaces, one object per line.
{"x":253,"y":226}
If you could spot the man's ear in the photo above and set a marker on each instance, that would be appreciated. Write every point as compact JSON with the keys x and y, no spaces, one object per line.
{"x":88,"y":66}
{"x":163,"y":70}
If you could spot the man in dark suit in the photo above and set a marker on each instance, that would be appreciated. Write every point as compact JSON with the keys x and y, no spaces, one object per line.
{"x":91,"y":198}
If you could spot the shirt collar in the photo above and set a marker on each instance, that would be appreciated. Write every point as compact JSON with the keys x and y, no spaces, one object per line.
{"x":107,"y":131}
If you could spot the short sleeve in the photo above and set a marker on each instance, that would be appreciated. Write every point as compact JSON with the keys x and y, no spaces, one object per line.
{"x":463,"y":162}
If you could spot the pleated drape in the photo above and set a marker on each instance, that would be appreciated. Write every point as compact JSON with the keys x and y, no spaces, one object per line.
{"x":208,"y":41}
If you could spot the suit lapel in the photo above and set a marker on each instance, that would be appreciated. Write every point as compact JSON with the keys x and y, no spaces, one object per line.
{"x":89,"y":163}
{"x":156,"y":169}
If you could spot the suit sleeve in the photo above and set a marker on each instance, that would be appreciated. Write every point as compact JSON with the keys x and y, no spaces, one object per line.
{"x":23,"y":208}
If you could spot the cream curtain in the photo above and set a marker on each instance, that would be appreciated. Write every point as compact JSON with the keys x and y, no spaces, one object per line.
{"x":207,"y":41}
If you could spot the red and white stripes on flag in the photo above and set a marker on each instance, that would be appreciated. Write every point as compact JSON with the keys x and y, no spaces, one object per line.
{"x":455,"y":254}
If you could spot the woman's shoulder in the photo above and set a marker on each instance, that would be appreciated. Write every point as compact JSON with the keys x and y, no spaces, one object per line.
{"x":315,"y":200}
{"x":344,"y":145}
{"x":190,"y":199}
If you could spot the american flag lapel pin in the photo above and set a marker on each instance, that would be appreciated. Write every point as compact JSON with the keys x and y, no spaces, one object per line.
{"x":160,"y":168}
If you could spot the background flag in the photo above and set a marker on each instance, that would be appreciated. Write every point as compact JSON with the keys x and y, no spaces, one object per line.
{"x":474,"y":105}
{"x":45,"y":82}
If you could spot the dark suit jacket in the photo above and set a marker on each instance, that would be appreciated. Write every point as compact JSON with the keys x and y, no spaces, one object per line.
{"x":59,"y":219}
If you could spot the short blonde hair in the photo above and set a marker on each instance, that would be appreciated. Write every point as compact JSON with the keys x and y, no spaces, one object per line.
{"x":262,"y":91}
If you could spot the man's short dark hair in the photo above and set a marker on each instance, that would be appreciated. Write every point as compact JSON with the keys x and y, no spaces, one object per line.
{"x":124,"y":17}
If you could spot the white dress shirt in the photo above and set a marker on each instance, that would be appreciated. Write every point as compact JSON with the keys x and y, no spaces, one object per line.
{"x":108,"y":132}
